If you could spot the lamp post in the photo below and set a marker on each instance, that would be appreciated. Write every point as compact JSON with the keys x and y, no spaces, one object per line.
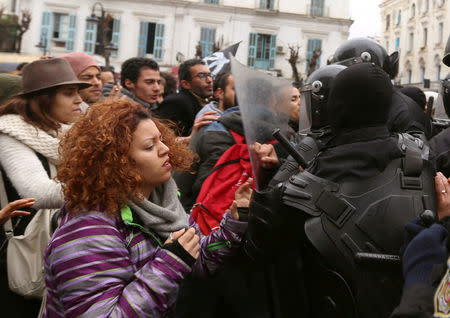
{"x":104,"y":50}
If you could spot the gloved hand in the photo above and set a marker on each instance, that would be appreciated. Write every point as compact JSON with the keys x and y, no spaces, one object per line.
{"x":427,"y":247}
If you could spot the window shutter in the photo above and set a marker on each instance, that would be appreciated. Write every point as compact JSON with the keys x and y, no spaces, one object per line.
{"x":46,"y":28}
{"x":207,"y":39}
{"x":159,"y":42}
{"x":71,"y":31}
{"x":273,"y":51}
{"x":90,"y":37}
{"x":115,"y":36}
{"x":252,"y":49}
{"x":143,"y":33}
{"x":312,"y":45}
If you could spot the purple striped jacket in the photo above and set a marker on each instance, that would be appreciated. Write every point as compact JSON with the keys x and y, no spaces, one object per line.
{"x":97,"y":266}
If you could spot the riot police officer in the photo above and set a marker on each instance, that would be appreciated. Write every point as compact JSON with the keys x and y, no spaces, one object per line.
{"x":404,"y":115}
{"x":351,"y":204}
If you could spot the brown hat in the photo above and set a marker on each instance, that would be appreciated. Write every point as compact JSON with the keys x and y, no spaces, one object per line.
{"x":43,"y":74}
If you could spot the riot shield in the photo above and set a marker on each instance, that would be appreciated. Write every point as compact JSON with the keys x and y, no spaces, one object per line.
{"x":264,"y":104}
{"x":439,"y":107}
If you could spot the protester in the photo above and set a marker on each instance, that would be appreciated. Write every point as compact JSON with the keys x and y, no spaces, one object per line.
{"x":31,"y":124}
{"x":294,"y":109}
{"x":107,"y":75}
{"x":87,"y":70}
{"x":123,"y":227}
{"x":162,"y":88}
{"x":140,"y":80}
{"x":171,"y":84}
{"x":11,"y":209}
{"x":196,"y":89}
{"x":415,"y":94}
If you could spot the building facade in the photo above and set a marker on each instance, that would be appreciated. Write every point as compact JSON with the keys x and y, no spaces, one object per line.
{"x":170,"y":30}
{"x":418,"y":30}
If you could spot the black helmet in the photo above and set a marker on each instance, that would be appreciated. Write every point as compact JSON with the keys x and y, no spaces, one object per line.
{"x":446,"y":93}
{"x":314,"y":94}
{"x":366,"y":50}
{"x":446,"y":59}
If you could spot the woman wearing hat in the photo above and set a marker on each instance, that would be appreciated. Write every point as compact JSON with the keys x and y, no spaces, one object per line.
{"x":31,"y":124}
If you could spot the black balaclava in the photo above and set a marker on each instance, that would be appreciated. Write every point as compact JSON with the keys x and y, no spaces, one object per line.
{"x":360,"y":97}
{"x":415,"y":94}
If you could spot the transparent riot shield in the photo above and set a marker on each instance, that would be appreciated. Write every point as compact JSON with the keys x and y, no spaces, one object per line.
{"x":436,"y":107}
{"x":264,"y":104}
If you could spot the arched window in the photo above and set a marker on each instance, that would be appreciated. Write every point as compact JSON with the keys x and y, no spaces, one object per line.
{"x":413,"y":10}
{"x":399,"y":17}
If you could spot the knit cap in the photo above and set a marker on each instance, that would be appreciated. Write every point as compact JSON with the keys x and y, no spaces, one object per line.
{"x":79,"y":61}
{"x":10,"y":85}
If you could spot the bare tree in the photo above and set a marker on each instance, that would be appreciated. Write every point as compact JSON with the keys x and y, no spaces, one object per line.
{"x":198,"y":50}
{"x":22,"y":27}
{"x":12,"y":29}
{"x":293,"y":61}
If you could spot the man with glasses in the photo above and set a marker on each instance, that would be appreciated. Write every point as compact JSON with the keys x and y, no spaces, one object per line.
{"x":196,"y":87}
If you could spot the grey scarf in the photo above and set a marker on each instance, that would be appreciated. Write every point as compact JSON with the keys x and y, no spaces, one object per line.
{"x":163,"y":213}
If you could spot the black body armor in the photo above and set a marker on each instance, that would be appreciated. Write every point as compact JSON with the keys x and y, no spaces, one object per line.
{"x":355,"y":230}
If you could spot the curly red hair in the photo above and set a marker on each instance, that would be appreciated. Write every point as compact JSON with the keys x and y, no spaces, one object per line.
{"x":96,"y":170}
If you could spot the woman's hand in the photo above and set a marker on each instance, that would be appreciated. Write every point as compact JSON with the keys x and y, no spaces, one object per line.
{"x":241,"y":198}
{"x":442,"y":195}
{"x":266,"y":155}
{"x":115,"y":91}
{"x":188,"y":239}
{"x":11,"y":209}
{"x":206,"y":119}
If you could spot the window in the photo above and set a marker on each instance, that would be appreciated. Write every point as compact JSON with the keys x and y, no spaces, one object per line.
{"x":427,"y":6}
{"x":314,"y":50}
{"x":317,"y":7}
{"x":388,"y":21}
{"x":212,"y":1}
{"x":387,"y":46}
{"x":438,"y":72}
{"x":207,"y":39}
{"x":59,"y":30}
{"x":399,"y":17}
{"x":409,"y":75}
{"x":151,"y":40}
{"x":425,"y":37}
{"x":92,"y":37}
{"x":440,"y":32}
{"x":397,"y":43}
{"x":266,"y":4}
{"x":422,"y":73}
{"x":262,"y":50}
{"x":413,"y":10}
{"x":411,"y":42}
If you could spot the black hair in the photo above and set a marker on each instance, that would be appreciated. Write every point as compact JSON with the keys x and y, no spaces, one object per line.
{"x":21,"y":65}
{"x":131,"y":68}
{"x":108,"y":69}
{"x":221,"y":81}
{"x":184,"y":72}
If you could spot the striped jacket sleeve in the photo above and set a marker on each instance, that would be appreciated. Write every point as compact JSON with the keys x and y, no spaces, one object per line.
{"x":220,"y":245}
{"x":90,"y":272}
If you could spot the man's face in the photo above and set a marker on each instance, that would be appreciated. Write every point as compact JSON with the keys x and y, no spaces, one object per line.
{"x":91,"y":94}
{"x":229,"y":97}
{"x":201,"y":82}
{"x":294,"y":106}
{"x":147,"y":86}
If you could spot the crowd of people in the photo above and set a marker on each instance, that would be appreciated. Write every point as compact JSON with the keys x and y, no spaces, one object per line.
{"x":161,"y":205}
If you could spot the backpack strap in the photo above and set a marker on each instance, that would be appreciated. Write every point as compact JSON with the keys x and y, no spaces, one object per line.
{"x":238,"y":138}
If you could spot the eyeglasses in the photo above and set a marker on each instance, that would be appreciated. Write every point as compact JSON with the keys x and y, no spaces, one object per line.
{"x":203,"y":75}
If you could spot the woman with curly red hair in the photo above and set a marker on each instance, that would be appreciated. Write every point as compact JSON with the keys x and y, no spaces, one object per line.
{"x":125,"y":243}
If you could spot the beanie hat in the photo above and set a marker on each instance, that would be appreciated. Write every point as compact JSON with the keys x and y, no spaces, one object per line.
{"x":10,"y":85}
{"x":79,"y":61}
{"x":360,"y":96}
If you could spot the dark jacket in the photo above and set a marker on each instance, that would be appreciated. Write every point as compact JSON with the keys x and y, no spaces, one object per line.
{"x":180,"y":108}
{"x":405,"y":115}
{"x":440,"y":150}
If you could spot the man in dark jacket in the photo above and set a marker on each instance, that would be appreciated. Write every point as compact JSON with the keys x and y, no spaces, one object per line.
{"x":196,"y":88}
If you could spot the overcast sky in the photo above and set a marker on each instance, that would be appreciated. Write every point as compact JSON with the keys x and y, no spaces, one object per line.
{"x":366,"y":17}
